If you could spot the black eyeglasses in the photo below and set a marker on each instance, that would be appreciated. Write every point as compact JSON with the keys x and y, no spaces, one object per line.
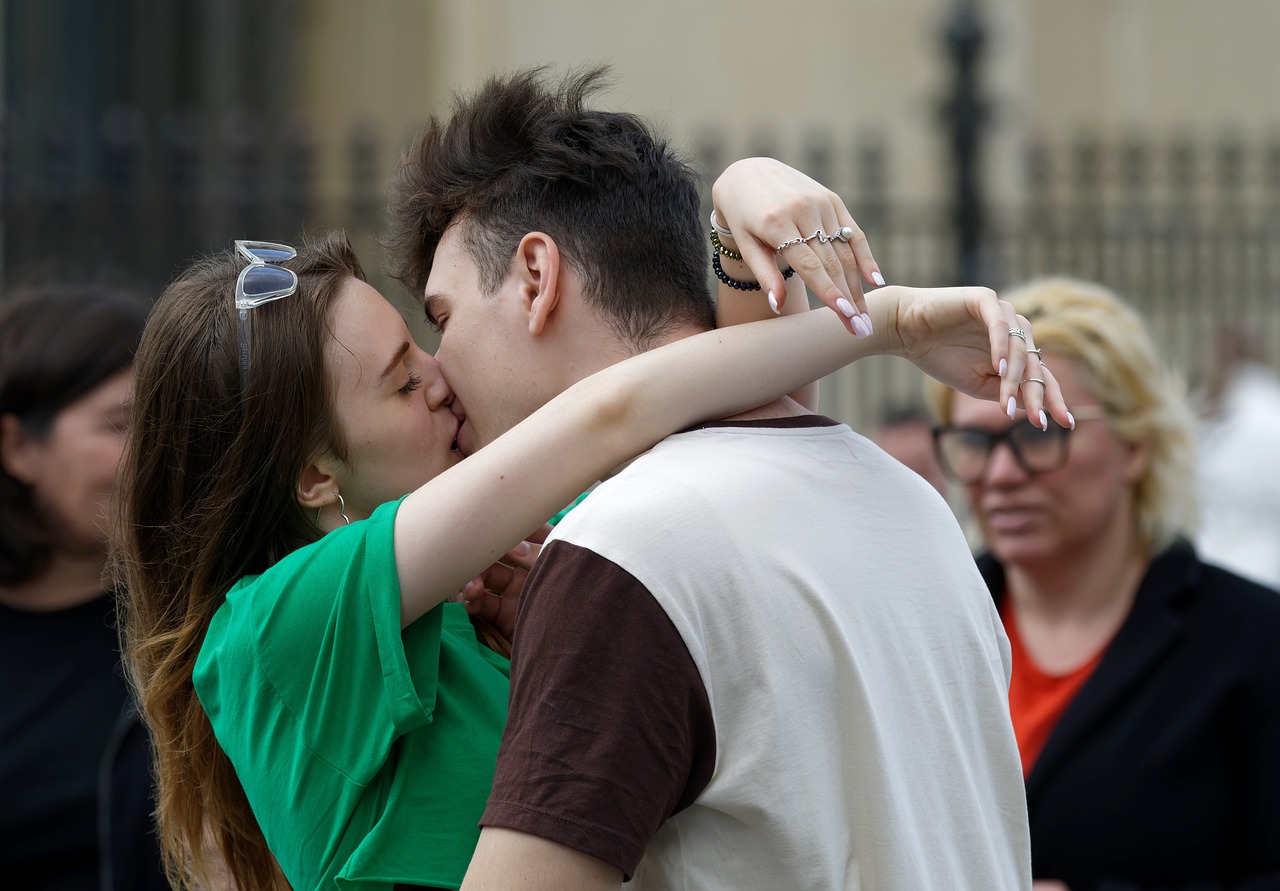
{"x":964,"y":452}
{"x":260,"y":282}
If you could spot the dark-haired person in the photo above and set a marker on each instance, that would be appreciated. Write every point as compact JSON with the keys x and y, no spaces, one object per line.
{"x":313,"y":702}
{"x":760,"y":656}
{"x":75,"y":781}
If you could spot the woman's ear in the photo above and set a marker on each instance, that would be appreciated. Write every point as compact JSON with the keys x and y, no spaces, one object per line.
{"x":537,"y":262}
{"x":317,"y":485}
{"x":1136,"y":460}
{"x":16,"y":452}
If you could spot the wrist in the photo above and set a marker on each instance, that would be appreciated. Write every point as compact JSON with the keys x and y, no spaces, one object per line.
{"x":882,"y":305}
{"x":745,"y":279}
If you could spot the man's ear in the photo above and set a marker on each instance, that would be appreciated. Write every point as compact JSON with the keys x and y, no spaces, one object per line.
{"x":16,"y":452}
{"x":317,"y":485}
{"x":537,"y":265}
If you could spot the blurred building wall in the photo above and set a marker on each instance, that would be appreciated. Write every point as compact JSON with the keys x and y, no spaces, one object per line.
{"x":1114,"y":89}
{"x":766,"y":75}
{"x":1133,"y":141}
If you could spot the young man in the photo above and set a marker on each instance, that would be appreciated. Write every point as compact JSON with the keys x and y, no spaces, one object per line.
{"x":758,"y":656}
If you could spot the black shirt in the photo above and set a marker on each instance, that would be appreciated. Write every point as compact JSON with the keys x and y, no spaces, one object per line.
{"x":67,"y":734}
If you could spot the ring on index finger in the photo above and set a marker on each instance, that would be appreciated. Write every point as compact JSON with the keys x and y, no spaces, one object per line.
{"x":1033,"y":380}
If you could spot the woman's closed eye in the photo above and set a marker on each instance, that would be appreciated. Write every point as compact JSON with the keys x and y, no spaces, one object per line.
{"x":414,"y":382}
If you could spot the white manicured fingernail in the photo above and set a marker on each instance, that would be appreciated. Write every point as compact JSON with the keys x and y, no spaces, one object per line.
{"x":866,"y":318}
{"x":1004,"y":366}
{"x":877,"y":278}
{"x":1012,"y":410}
{"x":1072,"y":419}
{"x":773,"y":304}
{"x":860,"y":327}
{"x":845,"y":307}
{"x":1044,"y":421}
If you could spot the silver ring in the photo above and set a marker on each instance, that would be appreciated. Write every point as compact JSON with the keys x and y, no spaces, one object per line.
{"x":1032,"y":380}
{"x":1018,"y":332}
{"x":802,"y":239}
{"x":1039,"y":354}
{"x":844,"y":233}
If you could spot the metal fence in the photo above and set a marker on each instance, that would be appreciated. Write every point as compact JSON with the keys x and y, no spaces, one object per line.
{"x":1189,"y":232}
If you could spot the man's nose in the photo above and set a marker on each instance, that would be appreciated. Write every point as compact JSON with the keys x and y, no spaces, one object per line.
{"x":438,"y":392}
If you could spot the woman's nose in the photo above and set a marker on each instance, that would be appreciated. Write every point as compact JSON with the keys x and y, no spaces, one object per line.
{"x":1003,"y":466}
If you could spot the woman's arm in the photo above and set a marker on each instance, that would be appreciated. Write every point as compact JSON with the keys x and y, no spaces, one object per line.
{"x":457,"y":524}
{"x":767,"y":199}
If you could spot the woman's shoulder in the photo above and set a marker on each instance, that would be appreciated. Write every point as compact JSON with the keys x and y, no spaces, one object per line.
{"x":343,"y":584}
{"x":1238,"y":618}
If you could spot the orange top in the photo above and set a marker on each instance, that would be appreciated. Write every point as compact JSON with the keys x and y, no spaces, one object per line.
{"x":1037,"y":699}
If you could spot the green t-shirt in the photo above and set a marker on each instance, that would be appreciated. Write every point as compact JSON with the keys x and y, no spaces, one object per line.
{"x":367,"y":753}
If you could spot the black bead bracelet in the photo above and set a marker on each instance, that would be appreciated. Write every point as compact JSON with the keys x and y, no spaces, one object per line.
{"x":733,"y":283}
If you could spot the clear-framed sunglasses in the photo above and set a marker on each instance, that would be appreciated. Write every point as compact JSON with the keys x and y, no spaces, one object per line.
{"x":262,"y":281}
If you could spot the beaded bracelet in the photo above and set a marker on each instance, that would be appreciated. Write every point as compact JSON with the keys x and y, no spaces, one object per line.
{"x":721,"y":249}
{"x":733,"y":283}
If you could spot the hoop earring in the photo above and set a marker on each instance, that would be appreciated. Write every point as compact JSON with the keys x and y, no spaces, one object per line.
{"x":342,"y":511}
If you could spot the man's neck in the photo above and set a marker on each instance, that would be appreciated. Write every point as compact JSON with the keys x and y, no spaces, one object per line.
{"x":784,"y":407}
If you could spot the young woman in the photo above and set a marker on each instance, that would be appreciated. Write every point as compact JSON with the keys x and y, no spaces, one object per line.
{"x":286,"y":625}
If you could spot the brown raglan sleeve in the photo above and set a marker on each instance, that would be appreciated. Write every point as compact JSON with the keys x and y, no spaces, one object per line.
{"x":610,"y":730}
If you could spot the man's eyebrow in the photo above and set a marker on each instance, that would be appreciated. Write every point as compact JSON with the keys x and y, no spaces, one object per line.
{"x":430,"y":304}
{"x":395,"y":360}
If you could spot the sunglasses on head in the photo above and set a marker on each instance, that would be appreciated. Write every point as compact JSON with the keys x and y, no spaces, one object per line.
{"x":262,"y":281}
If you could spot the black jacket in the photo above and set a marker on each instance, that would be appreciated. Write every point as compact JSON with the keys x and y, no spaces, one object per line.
{"x":129,"y":851}
{"x":1164,"y":771}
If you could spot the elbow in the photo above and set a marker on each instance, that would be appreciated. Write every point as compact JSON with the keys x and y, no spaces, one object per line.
{"x":612,"y":408}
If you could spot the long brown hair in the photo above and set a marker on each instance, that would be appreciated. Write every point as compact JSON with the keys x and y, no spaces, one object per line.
{"x":208,"y":495}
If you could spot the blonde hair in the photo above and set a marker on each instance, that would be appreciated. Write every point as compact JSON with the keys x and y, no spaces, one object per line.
{"x":1144,"y":401}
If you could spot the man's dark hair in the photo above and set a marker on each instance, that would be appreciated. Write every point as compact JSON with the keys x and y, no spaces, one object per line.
{"x":520,"y":156}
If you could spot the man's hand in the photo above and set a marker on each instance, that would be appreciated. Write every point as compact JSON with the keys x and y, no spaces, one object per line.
{"x":494,"y":595}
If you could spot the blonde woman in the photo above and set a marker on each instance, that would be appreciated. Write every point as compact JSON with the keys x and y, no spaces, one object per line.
{"x":1146,"y":684}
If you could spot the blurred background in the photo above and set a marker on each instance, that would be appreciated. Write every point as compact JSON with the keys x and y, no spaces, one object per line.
{"x":1134,"y":142}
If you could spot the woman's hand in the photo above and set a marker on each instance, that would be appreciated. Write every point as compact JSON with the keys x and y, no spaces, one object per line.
{"x":965,"y":337}
{"x":494,"y":595}
{"x":766,"y":203}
